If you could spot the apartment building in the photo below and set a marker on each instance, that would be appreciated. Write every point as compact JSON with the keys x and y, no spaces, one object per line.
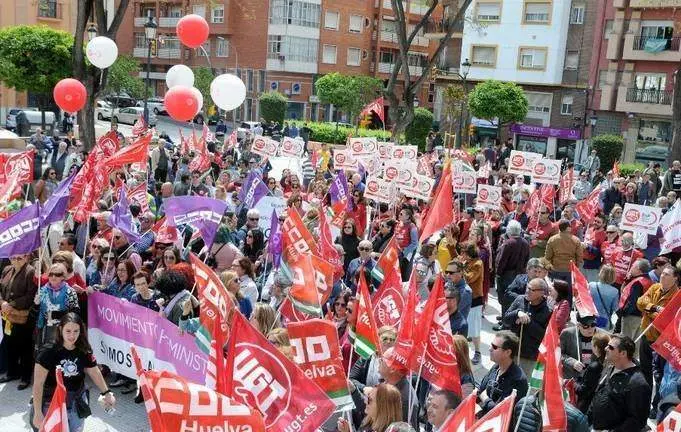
{"x":633,"y":74}
{"x":544,"y":46}
{"x":59,"y":15}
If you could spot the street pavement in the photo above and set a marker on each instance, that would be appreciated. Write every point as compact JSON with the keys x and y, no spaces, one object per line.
{"x":131,"y":417}
{"x":164,"y":124}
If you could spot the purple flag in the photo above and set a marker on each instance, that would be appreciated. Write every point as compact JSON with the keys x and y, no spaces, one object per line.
{"x":252,"y":190}
{"x":55,"y":207}
{"x":339,"y":188}
{"x":121,"y":219}
{"x":20,"y":233}
{"x":274,"y":242}
{"x":202,"y":213}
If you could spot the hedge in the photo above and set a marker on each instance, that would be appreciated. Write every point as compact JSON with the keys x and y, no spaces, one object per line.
{"x":608,"y":148}
{"x":327,"y":132}
{"x":417,"y":131}
{"x":627,"y":169}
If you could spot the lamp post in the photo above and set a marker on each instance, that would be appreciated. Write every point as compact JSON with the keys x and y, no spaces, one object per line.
{"x":150,"y":34}
{"x":465,"y":68}
{"x":91,"y":32}
{"x":236,"y":68}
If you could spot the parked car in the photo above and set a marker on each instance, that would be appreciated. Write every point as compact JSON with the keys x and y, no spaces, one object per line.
{"x":656,"y":153}
{"x":121,"y":100}
{"x":103,"y":110}
{"x":35,"y":118}
{"x":155,"y":105}
{"x":10,"y":121}
{"x":246,"y":129}
{"x":130,"y":115}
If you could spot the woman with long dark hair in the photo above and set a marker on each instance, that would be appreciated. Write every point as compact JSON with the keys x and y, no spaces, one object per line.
{"x":254,"y":245}
{"x":349,"y":239}
{"x":72,"y":352}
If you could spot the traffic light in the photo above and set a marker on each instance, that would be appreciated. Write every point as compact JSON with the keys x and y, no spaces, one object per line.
{"x":471,"y":130}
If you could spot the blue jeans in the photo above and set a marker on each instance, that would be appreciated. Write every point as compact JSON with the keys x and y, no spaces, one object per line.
{"x":75,"y":423}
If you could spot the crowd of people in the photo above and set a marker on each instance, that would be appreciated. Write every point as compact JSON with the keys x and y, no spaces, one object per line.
{"x":522,"y":260}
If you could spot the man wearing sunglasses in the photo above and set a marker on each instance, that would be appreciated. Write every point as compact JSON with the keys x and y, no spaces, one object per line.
{"x":364,"y":261}
{"x":622,"y":400}
{"x":574,"y":362}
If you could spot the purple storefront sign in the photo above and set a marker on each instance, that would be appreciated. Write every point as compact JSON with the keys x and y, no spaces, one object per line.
{"x":541,"y":131}
{"x":115,"y":324}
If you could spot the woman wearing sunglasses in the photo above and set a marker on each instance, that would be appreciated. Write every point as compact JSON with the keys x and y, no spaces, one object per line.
{"x":54,"y":300}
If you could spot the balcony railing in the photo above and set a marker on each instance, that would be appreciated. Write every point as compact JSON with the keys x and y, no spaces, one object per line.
{"x":441,"y":26}
{"x":391,"y":37}
{"x":653,"y":44}
{"x":661,"y":97}
{"x":168,"y":53}
{"x":49,"y":9}
{"x":139,"y":21}
{"x":168,"y":21}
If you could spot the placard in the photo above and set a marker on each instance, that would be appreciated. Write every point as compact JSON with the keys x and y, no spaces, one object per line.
{"x":265,"y":205}
{"x":464,"y":182}
{"x":362,"y":146}
{"x":546,"y":171}
{"x":264,"y":146}
{"x":409,"y":152}
{"x":642,"y":219}
{"x":385,"y":150}
{"x":292,"y":147}
{"x":489,"y":196}
{"x":522,"y":162}
{"x":378,"y":189}
{"x":342,"y":159}
{"x":421,"y":187}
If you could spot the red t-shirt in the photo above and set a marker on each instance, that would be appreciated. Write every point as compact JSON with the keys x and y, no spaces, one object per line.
{"x":595,"y":239}
{"x":622,"y":262}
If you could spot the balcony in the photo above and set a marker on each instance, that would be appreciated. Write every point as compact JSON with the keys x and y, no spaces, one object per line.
{"x":650,"y":4}
{"x":437,"y":29}
{"x":648,"y":102}
{"x":651,"y":49}
{"x":389,"y":37}
{"x":385,"y":67}
{"x":387,"y":4}
{"x":168,"y":21}
{"x":139,"y":52}
{"x":139,"y":21}
{"x":48,"y":10}
{"x":418,"y":8}
{"x":168,"y":53}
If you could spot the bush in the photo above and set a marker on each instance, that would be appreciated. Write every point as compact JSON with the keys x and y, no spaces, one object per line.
{"x":627,"y":169}
{"x":417,"y":131}
{"x":327,"y":132}
{"x":608,"y":148}
{"x":273,"y":106}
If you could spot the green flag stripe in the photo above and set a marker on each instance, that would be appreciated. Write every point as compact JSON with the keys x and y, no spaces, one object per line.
{"x":377,"y":273}
{"x":364,"y":348}
{"x":203,"y":337}
{"x":310,"y":309}
{"x":338,"y":393}
{"x":537,"y":379}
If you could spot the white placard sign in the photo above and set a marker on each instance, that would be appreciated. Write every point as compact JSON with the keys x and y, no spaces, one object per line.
{"x":464,"y":182}
{"x":522,"y":162}
{"x":385,"y":150}
{"x":342,"y":159}
{"x":362,"y":146}
{"x":379,"y":190}
{"x":405,"y":152}
{"x":420,"y":188}
{"x":489,"y":196}
{"x":265,"y":206}
{"x":546,"y":171}
{"x":264,"y":146}
{"x":638,"y":218}
{"x":292,"y":147}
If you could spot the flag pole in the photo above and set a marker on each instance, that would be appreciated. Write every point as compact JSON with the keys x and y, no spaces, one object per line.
{"x":522,"y":410}
{"x":418,"y":380}
{"x":643,"y":332}
{"x":520,"y":342}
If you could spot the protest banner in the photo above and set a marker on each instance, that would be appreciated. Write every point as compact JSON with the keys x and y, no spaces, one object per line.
{"x":671,"y":229}
{"x":372,"y":164}
{"x":342,"y":159}
{"x":522,"y":162}
{"x":115,"y":324}
{"x":464,"y":182}
{"x":264,"y":146}
{"x":385,"y":150}
{"x":265,"y":207}
{"x":420,"y":187}
{"x":408,"y":152}
{"x":292,"y":147}
{"x":391,"y":170}
{"x":641,"y":219}
{"x":546,"y":171}
{"x":489,"y":196}
{"x":379,"y":190}
{"x":362,"y":146}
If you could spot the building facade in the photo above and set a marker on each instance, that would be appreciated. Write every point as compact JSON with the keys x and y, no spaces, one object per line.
{"x":639,"y":52}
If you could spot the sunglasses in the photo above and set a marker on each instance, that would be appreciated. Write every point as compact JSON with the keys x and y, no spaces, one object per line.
{"x":347,"y":227}
{"x":55,"y":274}
{"x":249,"y":235}
{"x":611,"y":232}
{"x":494,"y":347}
{"x":366,"y":249}
{"x":254,"y":219}
{"x":610,"y":347}
{"x":340,"y":304}
{"x":590,"y":325}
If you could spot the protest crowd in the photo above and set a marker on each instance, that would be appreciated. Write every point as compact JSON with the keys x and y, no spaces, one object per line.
{"x":310,"y":287}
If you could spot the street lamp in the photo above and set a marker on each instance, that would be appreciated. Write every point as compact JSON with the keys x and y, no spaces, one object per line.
{"x":91,"y":32}
{"x":465,"y":69}
{"x":150,"y":34}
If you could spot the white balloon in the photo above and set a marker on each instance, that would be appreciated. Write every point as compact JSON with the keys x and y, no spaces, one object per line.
{"x":102,"y":52}
{"x":180,"y":75}
{"x":228,"y":91}
{"x":199,"y":97}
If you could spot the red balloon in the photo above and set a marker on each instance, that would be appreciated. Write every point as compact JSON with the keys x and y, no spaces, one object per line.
{"x":181,"y":103}
{"x":192,"y":30}
{"x":70,"y":95}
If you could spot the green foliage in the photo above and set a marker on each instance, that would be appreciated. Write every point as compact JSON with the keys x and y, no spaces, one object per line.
{"x":628,"y":169}
{"x":608,"y":148}
{"x":418,"y":129}
{"x":34,"y":58}
{"x":454,"y":96}
{"x":202,"y":79}
{"x":273,"y":106}
{"x":329,"y":133}
{"x":348,"y":93}
{"x":493,"y":99}
{"x":124,"y":76}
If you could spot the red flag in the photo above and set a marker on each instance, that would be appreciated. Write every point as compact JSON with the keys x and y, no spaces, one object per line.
{"x":567,"y":182}
{"x":375,"y":106}
{"x":548,"y":196}
{"x":388,"y":301}
{"x":365,"y":334}
{"x":317,"y":352}
{"x":56,"y":419}
{"x":463,"y":417}
{"x":215,"y":368}
{"x":175,"y":404}
{"x":404,"y":344}
{"x":214,"y":300}
{"x":616,"y":169}
{"x":436,"y":220}
{"x":201,"y":161}
{"x":584,"y":303}
{"x":668,"y":343}
{"x":671,"y":423}
{"x":184,"y":144}
{"x":498,"y":419}
{"x":296,"y":238}
{"x":388,"y":261}
{"x":231,"y":141}
{"x":326,"y":246}
{"x":435,"y":357}
{"x":137,"y":152}
{"x":553,"y":405}
{"x":588,"y":208}
{"x":139,"y":195}
{"x":290,"y":314}
{"x":16,"y":169}
{"x":304,"y":293}
{"x":164,"y":232}
{"x":666,"y":317}
{"x":265,"y":379}
{"x":139,"y":127}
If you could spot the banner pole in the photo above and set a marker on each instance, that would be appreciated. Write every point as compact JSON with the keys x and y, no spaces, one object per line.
{"x":418,"y":380}
{"x":522,"y":410}
{"x":643,"y":332}
{"x":520,"y":343}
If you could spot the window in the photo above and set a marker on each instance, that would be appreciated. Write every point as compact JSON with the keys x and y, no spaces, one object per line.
{"x":386,"y":57}
{"x":651,"y":81}
{"x":489,"y":12}
{"x":295,"y":12}
{"x":206,"y":46}
{"x":566,"y":105}
{"x":537,"y":13}
{"x":484,"y":56}
{"x":175,"y":12}
{"x":274,"y":46}
{"x":572,"y":60}
{"x":261,"y":80}
{"x":577,"y":14}
{"x":532,"y":58}
{"x":539,"y":106}
{"x":199,"y":9}
{"x":388,"y":26}
{"x":218,"y":15}
{"x":140,"y":40}
{"x":251,"y":85}
{"x":602,"y":78}
{"x":222,"y":48}
{"x":331,"y":20}
{"x":292,"y":48}
{"x":354,"y":56}
{"x":356,"y":23}
{"x":651,"y":30}
{"x":329,"y":54}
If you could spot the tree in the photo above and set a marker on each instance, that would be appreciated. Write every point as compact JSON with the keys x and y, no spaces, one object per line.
{"x":348,"y":93}
{"x":93,"y":79}
{"x":34,"y":59}
{"x":402,"y":102}
{"x":608,"y":148}
{"x":454,"y":97}
{"x":203,"y":76}
{"x":498,"y":102}
{"x":273,"y":106}
{"x":418,"y":129}
{"x":124,"y":77}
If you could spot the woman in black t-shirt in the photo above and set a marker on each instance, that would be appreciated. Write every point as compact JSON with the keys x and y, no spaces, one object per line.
{"x":73,"y":354}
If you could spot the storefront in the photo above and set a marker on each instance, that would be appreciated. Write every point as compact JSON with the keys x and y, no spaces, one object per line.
{"x":554,"y":143}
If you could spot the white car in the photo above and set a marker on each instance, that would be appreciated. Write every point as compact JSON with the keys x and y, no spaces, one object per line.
{"x":155,"y":105}
{"x":131,"y":115}
{"x":246,"y":129}
{"x":103,"y":110}
{"x":11,"y":120}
